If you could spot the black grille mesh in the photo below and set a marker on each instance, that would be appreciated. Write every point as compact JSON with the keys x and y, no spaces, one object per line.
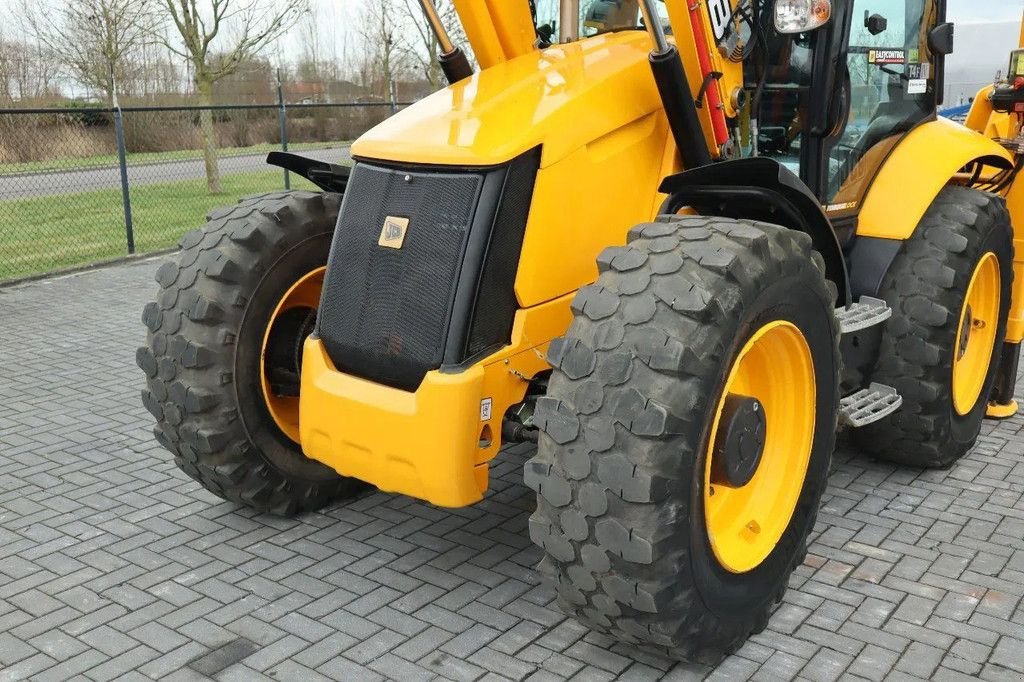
{"x":496,"y":305}
{"x":384,"y":312}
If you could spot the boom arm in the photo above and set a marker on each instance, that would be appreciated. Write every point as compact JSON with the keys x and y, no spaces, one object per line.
{"x":498,"y":30}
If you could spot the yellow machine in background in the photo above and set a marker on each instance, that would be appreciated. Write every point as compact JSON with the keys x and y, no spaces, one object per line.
{"x":676,"y":244}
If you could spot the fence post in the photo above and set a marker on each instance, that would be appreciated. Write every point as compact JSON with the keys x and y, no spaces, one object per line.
{"x":122,"y":162}
{"x":282,"y":120}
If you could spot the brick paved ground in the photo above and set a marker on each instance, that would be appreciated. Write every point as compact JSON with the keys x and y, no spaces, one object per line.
{"x":113,"y":563}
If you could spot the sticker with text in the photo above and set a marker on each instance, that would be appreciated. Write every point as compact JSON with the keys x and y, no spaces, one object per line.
{"x":887,"y":56}
{"x":915,"y":71}
{"x":485,"y":409}
{"x":917,"y":86}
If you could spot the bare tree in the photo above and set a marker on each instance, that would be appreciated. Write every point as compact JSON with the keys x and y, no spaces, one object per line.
{"x":93,"y":39}
{"x":310,"y":65}
{"x":218,"y":37}
{"x":28,"y":71}
{"x":9,"y":54}
{"x":383,"y":39}
{"x":424,"y":46}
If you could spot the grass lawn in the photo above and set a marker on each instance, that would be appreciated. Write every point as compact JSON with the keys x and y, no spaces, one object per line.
{"x":106,"y":160}
{"x":48,"y":233}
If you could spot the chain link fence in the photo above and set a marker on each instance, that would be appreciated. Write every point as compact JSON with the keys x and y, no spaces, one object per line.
{"x":81,"y":185}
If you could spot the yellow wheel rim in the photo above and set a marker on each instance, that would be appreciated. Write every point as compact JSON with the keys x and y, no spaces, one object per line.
{"x":976,"y":334}
{"x":305,"y":293}
{"x":745,"y":523}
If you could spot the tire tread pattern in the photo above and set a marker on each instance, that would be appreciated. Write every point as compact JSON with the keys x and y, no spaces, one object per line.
{"x":190,"y":343}
{"x":610,"y":500}
{"x":925,"y":288}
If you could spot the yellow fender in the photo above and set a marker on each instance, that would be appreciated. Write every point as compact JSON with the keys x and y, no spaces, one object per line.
{"x":917,"y":169}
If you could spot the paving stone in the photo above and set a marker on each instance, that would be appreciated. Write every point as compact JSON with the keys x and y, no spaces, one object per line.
{"x":115,"y":564}
{"x":370,"y":649}
{"x":1009,"y":653}
{"x":920,"y":660}
{"x":225,"y":656}
{"x":502,"y":664}
{"x":915,"y":609}
{"x":827,"y":665}
{"x":780,"y":666}
{"x":874,"y":663}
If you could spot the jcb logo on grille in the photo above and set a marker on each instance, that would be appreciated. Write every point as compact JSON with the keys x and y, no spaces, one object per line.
{"x":392,"y":235}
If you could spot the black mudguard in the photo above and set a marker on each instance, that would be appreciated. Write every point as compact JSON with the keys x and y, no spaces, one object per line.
{"x":329,"y":177}
{"x":761,"y":189}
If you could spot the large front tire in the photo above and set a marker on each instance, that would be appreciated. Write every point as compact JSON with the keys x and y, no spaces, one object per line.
{"x":639,"y":545}
{"x":223,"y":347}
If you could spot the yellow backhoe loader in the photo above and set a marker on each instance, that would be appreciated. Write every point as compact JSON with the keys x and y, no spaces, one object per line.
{"x":678,"y":244}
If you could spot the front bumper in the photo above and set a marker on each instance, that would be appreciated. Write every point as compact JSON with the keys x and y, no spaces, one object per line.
{"x":434,"y":443}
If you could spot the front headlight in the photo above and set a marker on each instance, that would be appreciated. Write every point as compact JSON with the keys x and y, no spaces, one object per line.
{"x":797,"y":16}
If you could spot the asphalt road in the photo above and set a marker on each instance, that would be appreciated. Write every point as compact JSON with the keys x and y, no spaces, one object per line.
{"x":57,"y":183}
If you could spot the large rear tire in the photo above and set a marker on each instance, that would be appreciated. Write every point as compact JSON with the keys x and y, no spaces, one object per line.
{"x":949,"y":290}
{"x":646,"y":533}
{"x":223,"y":351}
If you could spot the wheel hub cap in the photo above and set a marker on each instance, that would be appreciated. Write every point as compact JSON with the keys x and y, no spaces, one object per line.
{"x":739,"y":443}
{"x":759,"y":446}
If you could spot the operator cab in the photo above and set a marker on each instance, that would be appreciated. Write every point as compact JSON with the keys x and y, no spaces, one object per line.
{"x":885,"y":82}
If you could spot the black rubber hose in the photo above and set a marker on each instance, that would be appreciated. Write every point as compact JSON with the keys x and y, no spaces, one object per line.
{"x":455,"y":66}
{"x":680,"y":107}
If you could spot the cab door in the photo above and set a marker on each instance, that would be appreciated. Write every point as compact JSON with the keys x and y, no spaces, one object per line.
{"x":893,"y":85}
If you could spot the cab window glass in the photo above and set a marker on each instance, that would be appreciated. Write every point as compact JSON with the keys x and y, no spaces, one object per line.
{"x":596,"y":16}
{"x":891,"y":86}
{"x":784,"y":96}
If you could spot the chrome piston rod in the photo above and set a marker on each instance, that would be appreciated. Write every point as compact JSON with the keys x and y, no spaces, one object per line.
{"x":654,"y":28}
{"x":453,"y":60}
{"x":443,"y":40}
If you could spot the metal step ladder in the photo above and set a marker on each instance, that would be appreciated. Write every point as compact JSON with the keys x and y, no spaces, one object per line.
{"x":868,"y":405}
{"x":866,"y":312}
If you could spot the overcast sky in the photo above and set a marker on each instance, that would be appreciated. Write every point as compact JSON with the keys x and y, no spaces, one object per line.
{"x":985,"y":10}
{"x":337,"y":18}
{"x":959,"y":10}
{"x":347,"y":11}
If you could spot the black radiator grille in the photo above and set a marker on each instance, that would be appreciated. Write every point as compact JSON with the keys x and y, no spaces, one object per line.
{"x":392,"y":314}
{"x":384,"y":311}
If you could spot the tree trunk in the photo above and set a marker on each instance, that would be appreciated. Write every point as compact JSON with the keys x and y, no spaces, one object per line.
{"x":204,"y":88}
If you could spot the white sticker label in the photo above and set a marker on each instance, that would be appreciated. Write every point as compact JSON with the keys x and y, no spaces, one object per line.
{"x":485,"y":409}
{"x":720,"y":13}
{"x":917,"y":86}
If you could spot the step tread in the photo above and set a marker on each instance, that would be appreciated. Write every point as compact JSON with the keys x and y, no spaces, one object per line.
{"x":868,"y":405}
{"x":866,"y":312}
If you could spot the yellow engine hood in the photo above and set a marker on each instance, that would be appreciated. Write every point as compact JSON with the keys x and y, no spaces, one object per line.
{"x":563,"y":97}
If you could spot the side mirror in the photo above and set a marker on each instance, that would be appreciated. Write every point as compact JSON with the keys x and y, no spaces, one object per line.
{"x":940,"y":39}
{"x":798,"y":16}
{"x":875,"y":23}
